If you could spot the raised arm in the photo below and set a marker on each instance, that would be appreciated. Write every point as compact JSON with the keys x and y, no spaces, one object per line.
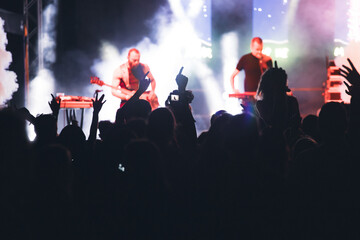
{"x":97,"y":105}
{"x":353,"y":89}
{"x":55,"y":106}
{"x":353,"y":78}
{"x":186,"y":130}
{"x":143,"y":85}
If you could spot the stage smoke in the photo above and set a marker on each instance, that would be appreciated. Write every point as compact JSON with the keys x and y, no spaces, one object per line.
{"x":49,"y":34}
{"x":8,"y":79}
{"x":42,"y":86}
{"x":229,"y":43}
{"x":175,"y":43}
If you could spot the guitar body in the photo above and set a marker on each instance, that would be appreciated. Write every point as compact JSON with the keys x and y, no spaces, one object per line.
{"x":152,"y":99}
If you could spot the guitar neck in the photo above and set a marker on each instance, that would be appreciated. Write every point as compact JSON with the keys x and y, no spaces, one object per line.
{"x":108,"y":85}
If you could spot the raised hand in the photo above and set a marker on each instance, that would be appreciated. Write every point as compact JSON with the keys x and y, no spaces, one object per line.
{"x":54,"y":105}
{"x":181,"y":81}
{"x":353,"y":77}
{"x":280,"y":76}
{"x":98,"y":103}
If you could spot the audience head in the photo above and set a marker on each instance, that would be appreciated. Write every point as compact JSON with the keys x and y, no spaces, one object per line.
{"x":138,"y":109}
{"x":45,"y":128}
{"x":310,"y":126}
{"x":216,"y":116}
{"x":161,"y":125}
{"x":332,"y":121}
{"x":241,"y":132}
{"x":73,"y":138}
{"x":273,"y":81}
{"x":105,"y":127}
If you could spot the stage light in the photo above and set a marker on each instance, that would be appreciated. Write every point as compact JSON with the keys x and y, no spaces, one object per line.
{"x":43,"y":84}
{"x":206,"y":52}
{"x":183,"y":39}
{"x":351,"y":47}
{"x":267,"y":51}
{"x":354,"y":21}
{"x":339,"y":52}
{"x":229,"y":43}
{"x":278,"y":52}
{"x":281,"y":52}
{"x":195,"y":8}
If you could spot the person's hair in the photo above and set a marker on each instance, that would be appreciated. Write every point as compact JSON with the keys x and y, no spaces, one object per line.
{"x":256,"y":39}
{"x":273,"y":81}
{"x":161,"y":125}
{"x":133,"y":50}
{"x":332,"y":120}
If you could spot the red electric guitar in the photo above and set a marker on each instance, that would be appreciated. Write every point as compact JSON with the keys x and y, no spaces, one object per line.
{"x":153,"y":99}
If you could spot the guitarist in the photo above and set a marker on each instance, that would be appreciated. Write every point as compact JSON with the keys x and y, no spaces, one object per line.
{"x":127,"y":77}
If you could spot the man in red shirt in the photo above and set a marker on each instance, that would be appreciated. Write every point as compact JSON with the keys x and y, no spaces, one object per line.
{"x":254,"y":64}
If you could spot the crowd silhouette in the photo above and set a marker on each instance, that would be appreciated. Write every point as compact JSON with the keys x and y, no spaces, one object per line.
{"x":260,"y":174}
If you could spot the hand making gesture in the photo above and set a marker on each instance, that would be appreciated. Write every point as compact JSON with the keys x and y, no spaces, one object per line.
{"x":55,"y":106}
{"x":353,"y":77}
{"x":181,"y":81}
{"x":98,"y":103}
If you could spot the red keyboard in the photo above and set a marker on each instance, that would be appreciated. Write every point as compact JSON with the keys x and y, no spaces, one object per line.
{"x":75,"y":101}
{"x":242,"y":95}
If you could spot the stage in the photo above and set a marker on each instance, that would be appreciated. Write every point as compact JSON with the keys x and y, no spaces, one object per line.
{"x":80,"y":40}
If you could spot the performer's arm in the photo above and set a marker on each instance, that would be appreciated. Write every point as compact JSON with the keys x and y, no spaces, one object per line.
{"x":232,"y":79}
{"x":153,"y":83}
{"x":123,"y":94}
